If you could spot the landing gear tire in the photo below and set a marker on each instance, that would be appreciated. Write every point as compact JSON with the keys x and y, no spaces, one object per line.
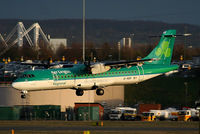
{"x":79,"y":92}
{"x":23,"y":96}
{"x":99,"y":91}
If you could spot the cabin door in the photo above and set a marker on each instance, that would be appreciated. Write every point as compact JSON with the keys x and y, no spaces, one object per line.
{"x":55,"y":77}
{"x":140,"y":73}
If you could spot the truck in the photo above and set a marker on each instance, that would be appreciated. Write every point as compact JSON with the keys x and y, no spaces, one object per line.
{"x":123,"y":113}
{"x":166,"y":114}
{"x":188,"y":115}
{"x":148,"y":116}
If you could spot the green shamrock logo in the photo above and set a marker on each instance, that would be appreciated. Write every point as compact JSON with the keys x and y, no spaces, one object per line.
{"x":163,"y":50}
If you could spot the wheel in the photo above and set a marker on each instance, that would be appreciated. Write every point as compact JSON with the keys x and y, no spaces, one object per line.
{"x":23,"y":96}
{"x":79,"y":92}
{"x":99,"y":91}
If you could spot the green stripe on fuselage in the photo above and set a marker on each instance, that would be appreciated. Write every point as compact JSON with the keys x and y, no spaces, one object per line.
{"x":79,"y":72}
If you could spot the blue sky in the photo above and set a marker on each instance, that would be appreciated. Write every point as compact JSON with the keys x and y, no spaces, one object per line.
{"x":171,"y":11}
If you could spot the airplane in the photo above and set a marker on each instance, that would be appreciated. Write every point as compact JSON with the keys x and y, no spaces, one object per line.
{"x":97,"y":76}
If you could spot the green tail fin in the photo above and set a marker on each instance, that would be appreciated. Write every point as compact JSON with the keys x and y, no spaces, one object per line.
{"x":163,"y":51}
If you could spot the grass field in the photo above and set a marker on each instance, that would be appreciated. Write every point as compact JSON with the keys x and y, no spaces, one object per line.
{"x":144,"y":127}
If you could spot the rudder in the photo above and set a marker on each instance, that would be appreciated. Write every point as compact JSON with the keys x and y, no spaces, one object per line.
{"x":163,"y":51}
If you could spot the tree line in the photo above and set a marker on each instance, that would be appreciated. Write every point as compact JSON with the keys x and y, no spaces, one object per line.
{"x":103,"y":52}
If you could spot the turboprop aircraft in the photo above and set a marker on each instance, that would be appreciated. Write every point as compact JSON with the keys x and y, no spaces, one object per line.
{"x":96,"y":76}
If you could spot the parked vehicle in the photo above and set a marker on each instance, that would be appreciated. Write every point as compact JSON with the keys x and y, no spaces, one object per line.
{"x":148,"y":116}
{"x":166,"y":114}
{"x":123,"y":113}
{"x":188,"y":115}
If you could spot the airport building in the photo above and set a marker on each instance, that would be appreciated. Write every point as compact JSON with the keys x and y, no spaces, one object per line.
{"x":113,"y":96}
{"x":126,"y":42}
{"x":56,"y":42}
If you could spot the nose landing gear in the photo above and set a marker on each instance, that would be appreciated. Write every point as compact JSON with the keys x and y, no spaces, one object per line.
{"x":23,"y":94}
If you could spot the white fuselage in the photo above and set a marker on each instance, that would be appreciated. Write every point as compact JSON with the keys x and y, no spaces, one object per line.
{"x":85,"y":84}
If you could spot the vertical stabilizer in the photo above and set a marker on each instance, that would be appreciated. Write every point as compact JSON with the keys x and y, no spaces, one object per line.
{"x":163,"y":51}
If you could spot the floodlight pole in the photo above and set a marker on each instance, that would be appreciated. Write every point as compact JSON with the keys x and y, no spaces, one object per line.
{"x":83,"y":30}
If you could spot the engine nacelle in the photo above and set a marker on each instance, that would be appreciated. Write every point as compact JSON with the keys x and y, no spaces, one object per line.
{"x":99,"y":68}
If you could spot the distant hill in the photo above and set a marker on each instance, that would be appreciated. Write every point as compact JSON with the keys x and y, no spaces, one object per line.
{"x":101,"y":31}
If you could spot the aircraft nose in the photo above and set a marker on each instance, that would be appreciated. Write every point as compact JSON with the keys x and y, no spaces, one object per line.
{"x":16,"y":85}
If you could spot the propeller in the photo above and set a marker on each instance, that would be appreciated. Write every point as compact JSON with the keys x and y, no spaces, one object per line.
{"x":88,"y":66}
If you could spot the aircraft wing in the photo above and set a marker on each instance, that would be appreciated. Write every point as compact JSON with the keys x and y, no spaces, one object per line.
{"x":104,"y":67}
{"x":33,"y":64}
{"x":131,"y":62}
{"x":47,"y":65}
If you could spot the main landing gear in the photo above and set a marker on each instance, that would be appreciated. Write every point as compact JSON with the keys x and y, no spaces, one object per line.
{"x":100,"y":91}
{"x":23,"y":94}
{"x":80,"y":92}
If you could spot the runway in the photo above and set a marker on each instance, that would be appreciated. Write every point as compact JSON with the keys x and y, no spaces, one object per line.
{"x":95,"y":128}
{"x":110,"y":127}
